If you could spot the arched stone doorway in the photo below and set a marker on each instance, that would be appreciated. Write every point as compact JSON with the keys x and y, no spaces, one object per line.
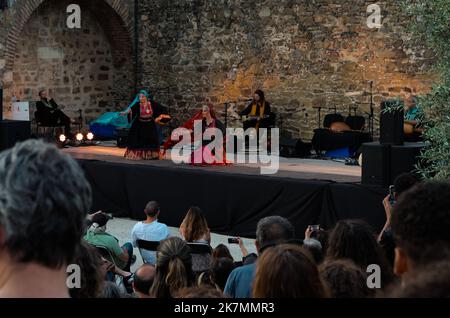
{"x":89,"y":68}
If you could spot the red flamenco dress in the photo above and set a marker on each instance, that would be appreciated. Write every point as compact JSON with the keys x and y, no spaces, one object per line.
{"x":207,"y":156}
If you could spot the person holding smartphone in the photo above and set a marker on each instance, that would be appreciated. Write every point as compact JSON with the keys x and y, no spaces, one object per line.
{"x":402,"y":183}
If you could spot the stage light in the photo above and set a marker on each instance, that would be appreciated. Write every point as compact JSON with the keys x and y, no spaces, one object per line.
{"x":90,"y":136}
{"x":79,"y":137}
{"x":62,"y":138}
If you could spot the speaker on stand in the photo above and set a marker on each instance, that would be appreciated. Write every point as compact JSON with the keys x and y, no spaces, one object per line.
{"x":383,"y":161}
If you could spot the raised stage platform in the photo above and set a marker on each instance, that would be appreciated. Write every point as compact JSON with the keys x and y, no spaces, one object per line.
{"x":233,"y":197}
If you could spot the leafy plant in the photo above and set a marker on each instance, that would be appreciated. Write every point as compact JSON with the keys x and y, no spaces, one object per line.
{"x":430,"y":25}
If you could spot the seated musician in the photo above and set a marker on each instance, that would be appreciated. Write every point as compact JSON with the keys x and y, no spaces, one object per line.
{"x":50,"y":115}
{"x":413,"y":120}
{"x":258,"y":113}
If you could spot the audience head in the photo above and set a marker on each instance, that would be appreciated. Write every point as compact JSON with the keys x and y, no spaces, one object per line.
{"x":404,"y":182}
{"x":421,"y":222}
{"x":222,"y":251}
{"x":92,"y":277}
{"x":99,"y":221}
{"x":44,"y":198}
{"x":173,"y":268}
{"x":152,"y":209}
{"x":222,"y":267}
{"x":273,"y":230}
{"x":287,"y":271}
{"x":345,"y":279}
{"x":143,"y":279}
{"x":194,"y":226}
{"x":355,"y":240}
{"x":429,"y":281}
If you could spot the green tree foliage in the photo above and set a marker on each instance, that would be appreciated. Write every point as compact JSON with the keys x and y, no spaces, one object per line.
{"x":430,"y":25}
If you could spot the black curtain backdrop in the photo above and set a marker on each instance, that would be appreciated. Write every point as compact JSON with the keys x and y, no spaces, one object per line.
{"x":233,"y":203}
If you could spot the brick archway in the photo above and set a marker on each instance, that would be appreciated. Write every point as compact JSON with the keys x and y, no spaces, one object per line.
{"x":120,"y":29}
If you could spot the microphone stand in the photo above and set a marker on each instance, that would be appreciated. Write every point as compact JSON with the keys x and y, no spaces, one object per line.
{"x":319,"y":110}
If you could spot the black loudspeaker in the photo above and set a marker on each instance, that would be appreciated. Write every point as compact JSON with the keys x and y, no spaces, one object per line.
{"x":294,"y":148}
{"x":12,"y":131}
{"x":383,"y":163}
{"x":376,"y":164}
{"x":391,"y":123}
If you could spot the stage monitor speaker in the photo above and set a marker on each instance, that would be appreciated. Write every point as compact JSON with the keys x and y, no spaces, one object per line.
{"x":12,"y":131}
{"x":391,"y":123}
{"x":383,"y":163}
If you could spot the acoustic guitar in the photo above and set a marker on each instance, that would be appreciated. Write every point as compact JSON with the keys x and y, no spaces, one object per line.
{"x":410,"y":129}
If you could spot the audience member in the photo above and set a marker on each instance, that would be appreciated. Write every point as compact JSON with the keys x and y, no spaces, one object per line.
{"x":97,"y":236}
{"x":270,"y":230}
{"x":44,"y":198}
{"x":143,"y":280}
{"x":92,"y":275}
{"x":345,"y":279}
{"x":429,"y":281}
{"x":355,"y":240}
{"x":421,"y":223}
{"x":173,"y":268}
{"x":313,"y":245}
{"x":194,"y":228}
{"x":287,"y":271}
{"x":402,"y":183}
{"x":222,"y":268}
{"x":149,"y":230}
{"x":221,"y":251}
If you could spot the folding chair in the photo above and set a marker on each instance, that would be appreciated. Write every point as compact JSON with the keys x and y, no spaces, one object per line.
{"x":201,"y":257}
{"x":151,"y":246}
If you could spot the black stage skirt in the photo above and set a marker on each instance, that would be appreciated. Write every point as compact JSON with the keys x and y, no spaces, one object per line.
{"x":143,"y":141}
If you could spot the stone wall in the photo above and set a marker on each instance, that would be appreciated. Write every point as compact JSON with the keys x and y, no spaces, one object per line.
{"x":302,"y":53}
{"x":89,"y":68}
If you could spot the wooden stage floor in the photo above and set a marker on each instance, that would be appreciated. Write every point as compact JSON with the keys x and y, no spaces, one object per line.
{"x":309,"y":169}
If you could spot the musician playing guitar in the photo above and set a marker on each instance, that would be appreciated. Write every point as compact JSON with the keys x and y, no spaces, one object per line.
{"x":258,"y":112}
{"x":413,"y":120}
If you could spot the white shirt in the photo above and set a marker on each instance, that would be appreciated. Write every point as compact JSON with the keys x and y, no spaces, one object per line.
{"x":154,"y":231}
